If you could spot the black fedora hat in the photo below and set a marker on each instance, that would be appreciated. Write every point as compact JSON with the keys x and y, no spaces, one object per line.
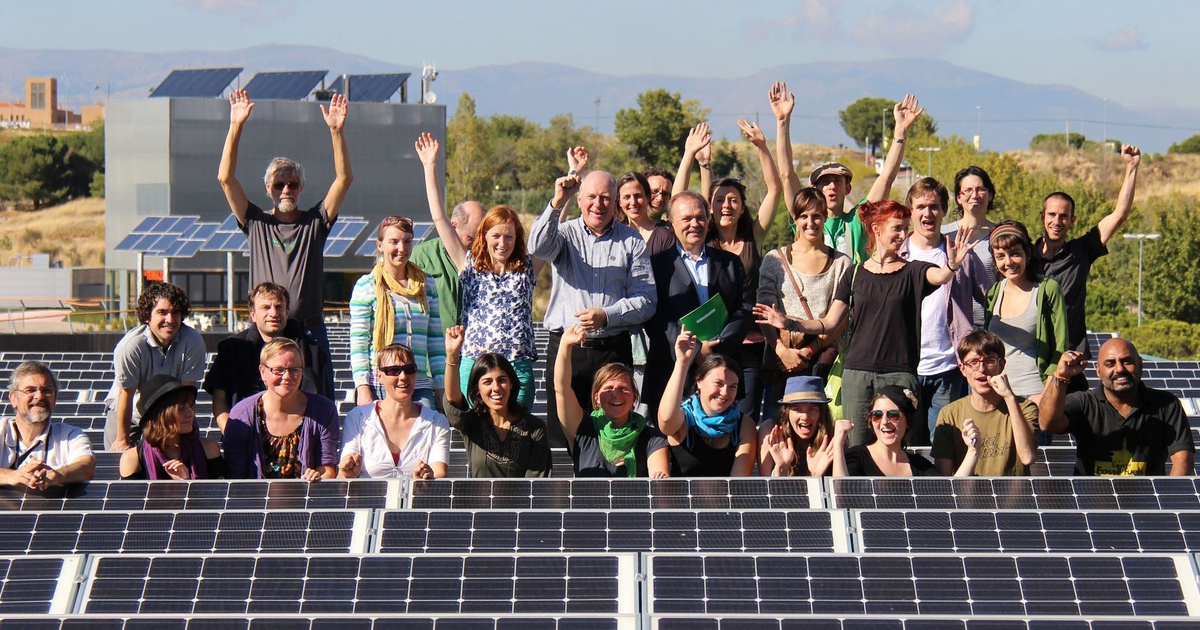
{"x":155,"y":390}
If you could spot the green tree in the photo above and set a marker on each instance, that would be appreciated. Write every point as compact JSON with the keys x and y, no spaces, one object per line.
{"x":34,"y":168}
{"x":866,"y":120}
{"x":659,"y":126}
{"x":469,"y":162}
{"x":1171,"y":291}
{"x":1190,"y":145}
{"x":85,"y":159}
{"x":1056,"y":141}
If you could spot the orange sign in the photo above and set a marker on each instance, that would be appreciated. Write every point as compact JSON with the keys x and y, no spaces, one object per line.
{"x":155,"y":275}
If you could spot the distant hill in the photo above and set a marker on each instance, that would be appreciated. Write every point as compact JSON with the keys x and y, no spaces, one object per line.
{"x":1012,"y":111}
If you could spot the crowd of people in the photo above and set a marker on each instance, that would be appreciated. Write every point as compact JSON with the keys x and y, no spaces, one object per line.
{"x":678,"y":345}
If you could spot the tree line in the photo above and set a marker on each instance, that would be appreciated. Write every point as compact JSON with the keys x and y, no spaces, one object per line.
{"x":45,"y":169}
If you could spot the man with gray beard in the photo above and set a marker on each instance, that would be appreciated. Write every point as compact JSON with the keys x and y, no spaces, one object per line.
{"x":35,"y":453}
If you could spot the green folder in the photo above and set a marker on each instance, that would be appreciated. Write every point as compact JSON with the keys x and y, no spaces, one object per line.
{"x":707,"y":321}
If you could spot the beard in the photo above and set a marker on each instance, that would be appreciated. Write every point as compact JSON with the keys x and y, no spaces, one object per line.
{"x":36,"y":415}
{"x":287,"y":206}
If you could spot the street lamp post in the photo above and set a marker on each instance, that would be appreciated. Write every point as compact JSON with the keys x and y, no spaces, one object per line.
{"x":1141,"y":254}
{"x":929,"y":151}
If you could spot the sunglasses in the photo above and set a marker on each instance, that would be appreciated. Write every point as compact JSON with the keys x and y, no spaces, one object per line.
{"x":279,"y":186}
{"x":397,"y":370}
{"x":877,"y":414}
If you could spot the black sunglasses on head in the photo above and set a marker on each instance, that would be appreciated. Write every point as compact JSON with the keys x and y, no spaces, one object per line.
{"x":397,"y":370}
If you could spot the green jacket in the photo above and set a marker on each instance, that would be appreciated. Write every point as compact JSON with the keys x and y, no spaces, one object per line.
{"x":432,"y":258}
{"x":1051,"y":332}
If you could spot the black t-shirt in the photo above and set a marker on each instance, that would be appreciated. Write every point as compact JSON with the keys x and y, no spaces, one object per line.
{"x":695,"y":458}
{"x":1108,"y":444}
{"x":1070,"y":267}
{"x":885,"y":317}
{"x":860,"y":464}
{"x":590,"y":462}
{"x":235,"y":368}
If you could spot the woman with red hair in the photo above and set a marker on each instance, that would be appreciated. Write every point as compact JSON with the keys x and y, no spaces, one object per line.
{"x":882,"y":296}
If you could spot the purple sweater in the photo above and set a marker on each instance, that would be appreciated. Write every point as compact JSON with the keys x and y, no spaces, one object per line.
{"x":319,"y":437}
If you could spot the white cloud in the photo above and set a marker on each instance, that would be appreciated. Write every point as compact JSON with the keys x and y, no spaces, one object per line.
{"x":816,"y":19}
{"x":248,"y":11}
{"x":1128,"y":38}
{"x":904,"y":30}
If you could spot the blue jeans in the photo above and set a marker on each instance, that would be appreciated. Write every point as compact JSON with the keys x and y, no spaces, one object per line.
{"x":321,"y":334}
{"x":936,"y":391}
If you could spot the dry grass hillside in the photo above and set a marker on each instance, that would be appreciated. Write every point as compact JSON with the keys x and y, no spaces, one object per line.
{"x":72,"y":233}
{"x":1163,"y":177}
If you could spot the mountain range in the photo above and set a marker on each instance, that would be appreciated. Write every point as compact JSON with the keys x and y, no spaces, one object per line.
{"x":964,"y":102}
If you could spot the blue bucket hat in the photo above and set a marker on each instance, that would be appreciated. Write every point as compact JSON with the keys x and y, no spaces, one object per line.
{"x":804,"y":389}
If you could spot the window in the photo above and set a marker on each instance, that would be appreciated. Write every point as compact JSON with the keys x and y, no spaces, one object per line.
{"x":37,"y":96}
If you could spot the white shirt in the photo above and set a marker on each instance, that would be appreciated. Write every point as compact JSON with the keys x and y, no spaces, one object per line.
{"x":937,"y":350}
{"x":57,"y":446}
{"x":428,"y":441}
{"x":697,"y":269}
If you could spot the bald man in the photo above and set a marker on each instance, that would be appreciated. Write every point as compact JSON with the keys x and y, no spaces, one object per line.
{"x":432,"y":258}
{"x":1122,"y":427}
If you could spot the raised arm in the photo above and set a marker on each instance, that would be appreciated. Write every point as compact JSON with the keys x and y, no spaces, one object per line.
{"x":1111,"y":223}
{"x":1023,"y":439}
{"x":427,"y":149}
{"x":1052,"y":415}
{"x":770,"y":201}
{"x":545,"y":240}
{"x":335,"y":117}
{"x":670,"y":410}
{"x":570,"y":413}
{"x":698,"y":138}
{"x":841,"y":432}
{"x":906,"y":113}
{"x":454,"y":341}
{"x":782,"y":103}
{"x":970,"y":436}
{"x":239,"y":112}
{"x":958,"y":248}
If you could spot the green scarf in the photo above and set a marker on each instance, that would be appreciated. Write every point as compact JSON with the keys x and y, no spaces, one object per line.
{"x":619,"y":443}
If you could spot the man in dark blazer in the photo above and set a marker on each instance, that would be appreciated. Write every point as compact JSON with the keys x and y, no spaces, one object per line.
{"x":686,"y":276}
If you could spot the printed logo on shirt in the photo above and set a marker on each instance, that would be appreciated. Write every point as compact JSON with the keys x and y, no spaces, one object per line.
{"x":277,"y":242}
{"x":1122,"y":464}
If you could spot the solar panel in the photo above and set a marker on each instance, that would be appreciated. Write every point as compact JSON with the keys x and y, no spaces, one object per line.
{"x":1016,"y":493}
{"x":342,"y":236}
{"x":616,"y":494}
{"x":352,"y":584}
{"x":371,"y":88}
{"x":231,"y":531}
{"x":37,"y":585}
{"x":328,"y":494}
{"x":156,"y":234}
{"x":228,"y":237}
{"x":190,"y":242}
{"x":284,"y":86}
{"x":468,"y":531}
{"x":326,"y":622}
{"x":892,"y":585}
{"x":924,"y":622}
{"x":421,"y":233}
{"x":203,"y":83}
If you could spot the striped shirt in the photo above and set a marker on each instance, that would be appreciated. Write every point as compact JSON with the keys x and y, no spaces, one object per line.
{"x":610,"y":271}
{"x":420,"y":331}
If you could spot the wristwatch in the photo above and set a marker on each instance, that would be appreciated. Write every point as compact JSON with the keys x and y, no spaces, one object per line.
{"x":572,"y":173}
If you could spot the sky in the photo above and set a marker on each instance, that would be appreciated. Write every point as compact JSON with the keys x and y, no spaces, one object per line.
{"x":1138,"y":54}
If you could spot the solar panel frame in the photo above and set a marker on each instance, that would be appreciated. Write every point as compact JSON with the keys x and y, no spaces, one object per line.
{"x":501,"y":584}
{"x":616,"y":531}
{"x":198,"y":83}
{"x":332,"y":494}
{"x":228,"y":237}
{"x":23,"y":579}
{"x":525,"y":621}
{"x":889,"y":585}
{"x":191,"y":531}
{"x":343,"y":234}
{"x":1015,"y":493}
{"x":371,"y":88}
{"x":284,"y":86}
{"x":612,"y":494}
{"x":924,"y":622}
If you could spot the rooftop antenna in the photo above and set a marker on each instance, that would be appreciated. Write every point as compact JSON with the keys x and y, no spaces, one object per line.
{"x":429,"y":74}
{"x":596,"y":126}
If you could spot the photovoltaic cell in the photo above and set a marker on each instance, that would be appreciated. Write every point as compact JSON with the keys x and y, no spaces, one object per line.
{"x":1016,"y":493}
{"x":342,"y":236}
{"x":36,"y":585}
{"x":228,"y":237}
{"x":361,"y":585}
{"x":284,"y":86}
{"x":232,"y":531}
{"x":616,"y":494}
{"x":492,"y":531}
{"x":155,"y":235}
{"x":421,"y":233}
{"x":893,"y":585}
{"x":329,"y":494}
{"x":371,"y":88}
{"x":204,"y":83}
{"x":192,"y":239}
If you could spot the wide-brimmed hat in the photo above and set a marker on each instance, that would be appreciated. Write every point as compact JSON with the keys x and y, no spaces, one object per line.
{"x":804,"y":389}
{"x":830,"y":168}
{"x":155,"y":390}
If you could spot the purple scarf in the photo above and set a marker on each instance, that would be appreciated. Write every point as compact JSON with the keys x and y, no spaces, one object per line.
{"x":191,"y":453}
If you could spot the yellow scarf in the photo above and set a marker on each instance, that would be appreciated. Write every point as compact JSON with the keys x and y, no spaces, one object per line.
{"x":385,"y":312}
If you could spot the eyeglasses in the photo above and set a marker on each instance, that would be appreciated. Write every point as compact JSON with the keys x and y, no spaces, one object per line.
{"x":989,"y":363}
{"x":977,"y":192}
{"x":397,"y":370}
{"x":48,"y":392}
{"x":877,"y":414}
{"x":281,"y":371}
{"x":279,"y":186}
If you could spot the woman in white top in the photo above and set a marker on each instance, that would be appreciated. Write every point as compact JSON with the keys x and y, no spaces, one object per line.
{"x":395,"y":437}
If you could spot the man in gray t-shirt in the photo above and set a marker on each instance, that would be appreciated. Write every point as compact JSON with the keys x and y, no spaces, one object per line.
{"x":161,"y":344}
{"x":287,"y":244}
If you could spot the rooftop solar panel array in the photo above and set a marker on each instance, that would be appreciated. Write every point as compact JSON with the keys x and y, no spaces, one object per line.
{"x":1017,"y":493}
{"x":371,"y":88}
{"x":203,"y":83}
{"x":284,"y":86}
{"x":329,"y":494}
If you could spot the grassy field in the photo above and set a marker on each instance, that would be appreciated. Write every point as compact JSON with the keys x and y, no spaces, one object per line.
{"x":72,"y":233}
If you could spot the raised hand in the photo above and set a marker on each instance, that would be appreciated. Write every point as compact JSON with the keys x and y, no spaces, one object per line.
{"x":769,"y":315}
{"x":698,"y":138}
{"x":1000,"y":386}
{"x":958,"y":247}
{"x":819,"y":460}
{"x":970,"y":434}
{"x":350,"y":466}
{"x":1131,"y":154}
{"x":782,"y":101}
{"x":841,"y":430}
{"x":427,"y":148}
{"x":704,"y":155}
{"x":906,"y":113}
{"x":686,"y":345}
{"x":335,"y":114}
{"x":782,"y":452}
{"x":1070,"y":364}
{"x":454,"y":340}
{"x":577,"y":158}
{"x":564,"y":187}
{"x":752,"y":132}
{"x":239,"y":107}
{"x":573,"y":335}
